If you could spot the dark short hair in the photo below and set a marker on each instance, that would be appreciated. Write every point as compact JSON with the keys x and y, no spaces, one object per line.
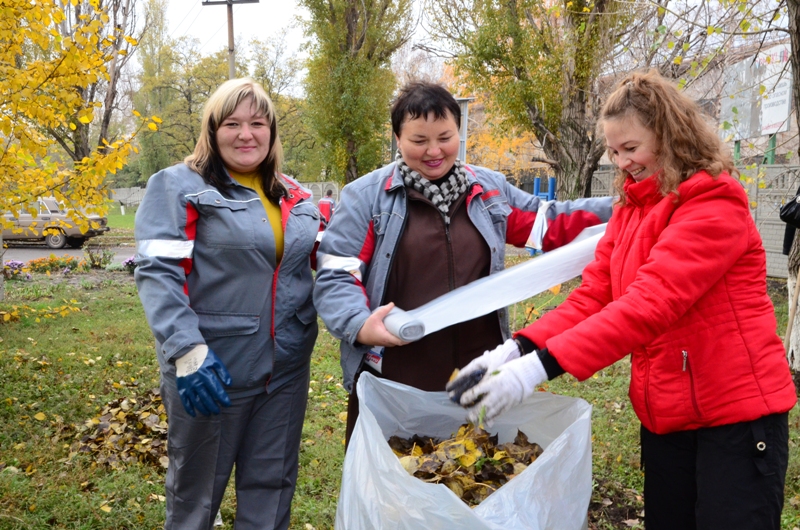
{"x":329,"y":193}
{"x":421,"y":98}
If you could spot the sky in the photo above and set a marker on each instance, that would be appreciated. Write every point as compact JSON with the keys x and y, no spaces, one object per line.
{"x":209,"y":23}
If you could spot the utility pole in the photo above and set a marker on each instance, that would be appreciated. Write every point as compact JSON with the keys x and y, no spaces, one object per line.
{"x":230,"y":3}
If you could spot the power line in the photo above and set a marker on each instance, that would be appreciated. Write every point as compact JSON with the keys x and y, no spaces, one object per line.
{"x":206,"y":43}
{"x":189,"y":12}
{"x":186,"y":31}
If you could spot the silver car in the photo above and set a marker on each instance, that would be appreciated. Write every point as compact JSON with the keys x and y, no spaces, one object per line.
{"x":52,"y":225}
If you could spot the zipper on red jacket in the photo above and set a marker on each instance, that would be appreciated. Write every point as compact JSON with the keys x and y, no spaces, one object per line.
{"x":688,"y":368}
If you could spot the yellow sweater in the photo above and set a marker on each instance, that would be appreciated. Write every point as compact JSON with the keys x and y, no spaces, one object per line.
{"x":253,"y":180}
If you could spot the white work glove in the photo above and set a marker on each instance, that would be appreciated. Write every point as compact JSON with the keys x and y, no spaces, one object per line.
{"x":479,"y":367}
{"x":503,"y":388}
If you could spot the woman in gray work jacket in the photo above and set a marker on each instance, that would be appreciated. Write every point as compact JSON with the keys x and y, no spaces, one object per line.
{"x":224,"y":250}
{"x":416,"y":229}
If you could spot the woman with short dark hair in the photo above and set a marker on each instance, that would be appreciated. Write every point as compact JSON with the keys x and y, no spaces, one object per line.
{"x":415,"y":229}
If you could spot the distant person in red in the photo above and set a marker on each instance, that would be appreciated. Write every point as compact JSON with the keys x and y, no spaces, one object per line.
{"x":326,"y":205}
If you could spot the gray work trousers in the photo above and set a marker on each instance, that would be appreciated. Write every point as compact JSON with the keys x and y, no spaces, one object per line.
{"x":260,"y":434}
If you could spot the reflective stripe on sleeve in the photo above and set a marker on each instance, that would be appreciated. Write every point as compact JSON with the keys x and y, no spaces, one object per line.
{"x":348,"y":264}
{"x":165,"y":248}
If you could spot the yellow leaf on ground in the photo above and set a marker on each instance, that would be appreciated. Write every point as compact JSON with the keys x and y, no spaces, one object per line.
{"x":106,"y":508}
{"x":40,"y":416}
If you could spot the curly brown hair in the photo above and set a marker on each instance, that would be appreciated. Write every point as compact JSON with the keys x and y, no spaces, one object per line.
{"x":686,"y":142}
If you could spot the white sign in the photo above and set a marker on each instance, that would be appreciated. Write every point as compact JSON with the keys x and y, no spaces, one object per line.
{"x":776,"y":102}
{"x":756,"y":98}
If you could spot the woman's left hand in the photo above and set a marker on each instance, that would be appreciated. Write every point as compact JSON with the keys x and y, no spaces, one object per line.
{"x":374,"y":333}
{"x":503,"y":389}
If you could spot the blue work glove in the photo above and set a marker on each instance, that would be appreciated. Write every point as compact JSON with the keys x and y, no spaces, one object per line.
{"x":503,"y":389}
{"x":199,"y":373}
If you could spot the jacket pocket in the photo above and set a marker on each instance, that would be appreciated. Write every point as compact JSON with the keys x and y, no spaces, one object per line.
{"x":214,"y":324}
{"x":497,"y":208}
{"x":295,"y":338}
{"x":307,"y":313}
{"x":686,"y":364}
{"x":225,"y":224}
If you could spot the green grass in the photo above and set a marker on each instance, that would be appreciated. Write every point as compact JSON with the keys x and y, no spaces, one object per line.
{"x":121,"y":222}
{"x":69,"y":368}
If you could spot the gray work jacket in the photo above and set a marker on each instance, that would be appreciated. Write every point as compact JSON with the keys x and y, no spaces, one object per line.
{"x":356,"y":251}
{"x":207,"y":274}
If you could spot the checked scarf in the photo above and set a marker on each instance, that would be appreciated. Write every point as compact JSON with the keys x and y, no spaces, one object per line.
{"x":442,"y":192}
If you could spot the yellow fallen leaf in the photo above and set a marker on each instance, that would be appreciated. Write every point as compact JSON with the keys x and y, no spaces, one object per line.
{"x":40,"y":416}
{"x":106,"y":508}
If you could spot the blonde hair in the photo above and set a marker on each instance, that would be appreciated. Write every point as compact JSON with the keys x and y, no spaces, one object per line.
{"x":686,"y":142}
{"x":206,"y":159}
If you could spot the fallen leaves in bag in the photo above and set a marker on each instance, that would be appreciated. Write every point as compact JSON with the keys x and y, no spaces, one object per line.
{"x":470,"y":463}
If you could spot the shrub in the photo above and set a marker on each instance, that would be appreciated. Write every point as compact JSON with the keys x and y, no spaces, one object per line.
{"x":129,"y":264}
{"x":98,"y":258}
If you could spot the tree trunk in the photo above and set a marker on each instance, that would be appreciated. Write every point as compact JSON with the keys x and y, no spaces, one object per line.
{"x":114,"y":71}
{"x":352,"y":163}
{"x":793,"y":353}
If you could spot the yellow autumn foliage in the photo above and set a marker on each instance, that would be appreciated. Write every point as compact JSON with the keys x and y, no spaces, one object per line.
{"x":41,"y":75}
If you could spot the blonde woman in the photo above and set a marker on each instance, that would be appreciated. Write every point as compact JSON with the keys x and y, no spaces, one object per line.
{"x":679,"y":284}
{"x":224,"y":248}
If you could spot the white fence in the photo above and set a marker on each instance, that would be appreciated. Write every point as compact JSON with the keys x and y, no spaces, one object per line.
{"x":131,"y":197}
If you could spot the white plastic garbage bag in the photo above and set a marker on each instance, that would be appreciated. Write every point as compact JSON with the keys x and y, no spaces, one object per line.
{"x":377,"y":493}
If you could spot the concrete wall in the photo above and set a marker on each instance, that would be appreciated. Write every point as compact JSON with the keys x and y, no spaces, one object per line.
{"x":320,"y":188}
{"x":777,"y":184}
{"x":128,"y":197}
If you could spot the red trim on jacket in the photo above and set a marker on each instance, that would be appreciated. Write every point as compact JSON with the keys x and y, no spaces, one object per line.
{"x":477,"y":189}
{"x":287,"y":203}
{"x":518,"y":227}
{"x":368,"y":247}
{"x":191,"y":234}
{"x":274,"y":295}
{"x":489,"y":194}
{"x":564,"y":228}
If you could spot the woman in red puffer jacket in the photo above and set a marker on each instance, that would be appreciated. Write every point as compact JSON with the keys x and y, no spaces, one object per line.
{"x":679,"y":283}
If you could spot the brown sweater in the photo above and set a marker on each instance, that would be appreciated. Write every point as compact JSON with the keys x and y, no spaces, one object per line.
{"x":432,"y":259}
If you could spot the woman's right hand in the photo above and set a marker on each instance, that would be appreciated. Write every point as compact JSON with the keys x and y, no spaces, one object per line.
{"x":374,"y":333}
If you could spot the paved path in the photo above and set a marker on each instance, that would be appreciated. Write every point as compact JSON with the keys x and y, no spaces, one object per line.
{"x":25,"y":253}
{"x":31,"y":251}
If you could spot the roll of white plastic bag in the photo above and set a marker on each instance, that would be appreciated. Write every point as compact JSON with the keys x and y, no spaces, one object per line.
{"x":553,"y":493}
{"x":496,"y":291}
